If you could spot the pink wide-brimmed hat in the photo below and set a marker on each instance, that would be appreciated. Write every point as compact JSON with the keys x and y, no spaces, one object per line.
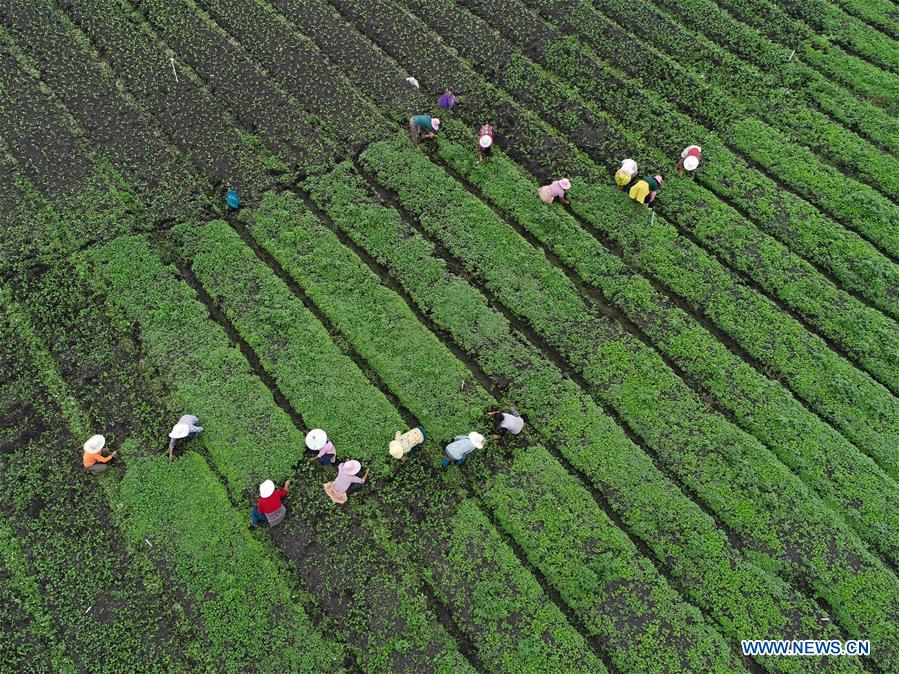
{"x":352,"y":467}
{"x":435,"y":123}
{"x":659,"y":180}
{"x":565,"y":183}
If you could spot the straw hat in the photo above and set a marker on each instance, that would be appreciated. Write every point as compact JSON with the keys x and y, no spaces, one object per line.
{"x":316,"y":439}
{"x":94,"y":444}
{"x":485,"y":141}
{"x":396,"y":449}
{"x":179,"y":431}
{"x":476,"y":439}
{"x":659,"y":180}
{"x":266,"y":489}
{"x":691,"y":162}
{"x":352,"y":467}
{"x":566,"y":185}
{"x":435,"y":123}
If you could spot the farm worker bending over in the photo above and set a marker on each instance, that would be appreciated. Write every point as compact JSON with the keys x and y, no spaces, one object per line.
{"x":346,"y":482}
{"x":625,"y":174}
{"x":645,"y":190}
{"x":485,"y":142}
{"x":462,"y":446}
{"x":555,"y":190}
{"x":447,"y":100}
{"x":95,"y":457}
{"x":321,"y":449}
{"x":402,"y":445}
{"x":689,"y":159}
{"x":423,"y":126}
{"x":269,"y":507}
{"x":188,"y":426}
{"x":509,"y":422}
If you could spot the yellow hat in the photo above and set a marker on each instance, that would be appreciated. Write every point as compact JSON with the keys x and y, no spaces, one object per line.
{"x":396,"y":449}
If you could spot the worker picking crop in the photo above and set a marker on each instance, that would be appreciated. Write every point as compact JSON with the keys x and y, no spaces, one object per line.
{"x":645,"y":190}
{"x":423,"y":126}
{"x":269,"y":507}
{"x":555,"y":190}
{"x":510,"y":423}
{"x":624,"y":176}
{"x":689,"y":159}
{"x":346,"y":482}
{"x":320,"y":448}
{"x":95,"y":457}
{"x":485,"y":142}
{"x":403,"y":444}
{"x":188,"y":426}
{"x":461,"y":447}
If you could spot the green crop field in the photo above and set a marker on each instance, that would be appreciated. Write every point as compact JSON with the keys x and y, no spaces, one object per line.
{"x":710,"y":387}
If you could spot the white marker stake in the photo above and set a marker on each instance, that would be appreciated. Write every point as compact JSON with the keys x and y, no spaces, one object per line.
{"x":89,"y":608}
{"x":147,"y":541}
{"x":653,"y":221}
{"x":791,"y":56}
{"x":172,"y":61}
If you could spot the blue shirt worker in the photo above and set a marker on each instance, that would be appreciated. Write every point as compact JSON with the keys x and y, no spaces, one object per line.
{"x":462,"y":446}
{"x":188,"y":426}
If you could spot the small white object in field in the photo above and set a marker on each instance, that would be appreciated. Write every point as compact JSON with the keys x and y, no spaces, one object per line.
{"x":172,"y":61}
{"x":791,"y":56}
{"x":825,"y":620}
{"x":147,"y":541}
{"x":89,"y":608}
{"x":412,"y":81}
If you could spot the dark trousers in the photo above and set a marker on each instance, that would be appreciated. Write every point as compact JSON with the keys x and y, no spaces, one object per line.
{"x":258,"y":517}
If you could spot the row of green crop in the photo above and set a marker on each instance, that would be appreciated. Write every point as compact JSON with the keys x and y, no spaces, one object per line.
{"x":431,"y":384}
{"x":297,"y":65}
{"x":657,"y":131}
{"x":718,"y":90}
{"x":87,"y":195}
{"x":164,"y":182}
{"x":191,"y":120}
{"x":95,"y":581}
{"x":730,"y":470}
{"x":843,"y":476}
{"x":238,"y":281}
{"x":429,"y":57}
{"x":426,"y":377}
{"x":91,"y":363}
{"x":214,"y":381}
{"x":882,"y":15}
{"x":797,"y":77}
{"x":740,"y":597}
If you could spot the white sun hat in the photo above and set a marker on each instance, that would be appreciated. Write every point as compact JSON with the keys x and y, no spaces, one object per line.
{"x":691,"y":162}
{"x":396,"y":449}
{"x":435,"y":123}
{"x":179,"y":431}
{"x":476,"y":439}
{"x":352,"y":467}
{"x":485,"y":141}
{"x":95,"y":444}
{"x":266,"y":489}
{"x":316,"y":439}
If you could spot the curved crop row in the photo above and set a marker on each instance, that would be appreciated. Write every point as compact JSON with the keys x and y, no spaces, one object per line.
{"x":215,"y":382}
{"x":252,"y":296}
{"x":738,"y":478}
{"x":743,"y":599}
{"x":844,"y":477}
{"x":526,"y":139}
{"x":123,"y":592}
